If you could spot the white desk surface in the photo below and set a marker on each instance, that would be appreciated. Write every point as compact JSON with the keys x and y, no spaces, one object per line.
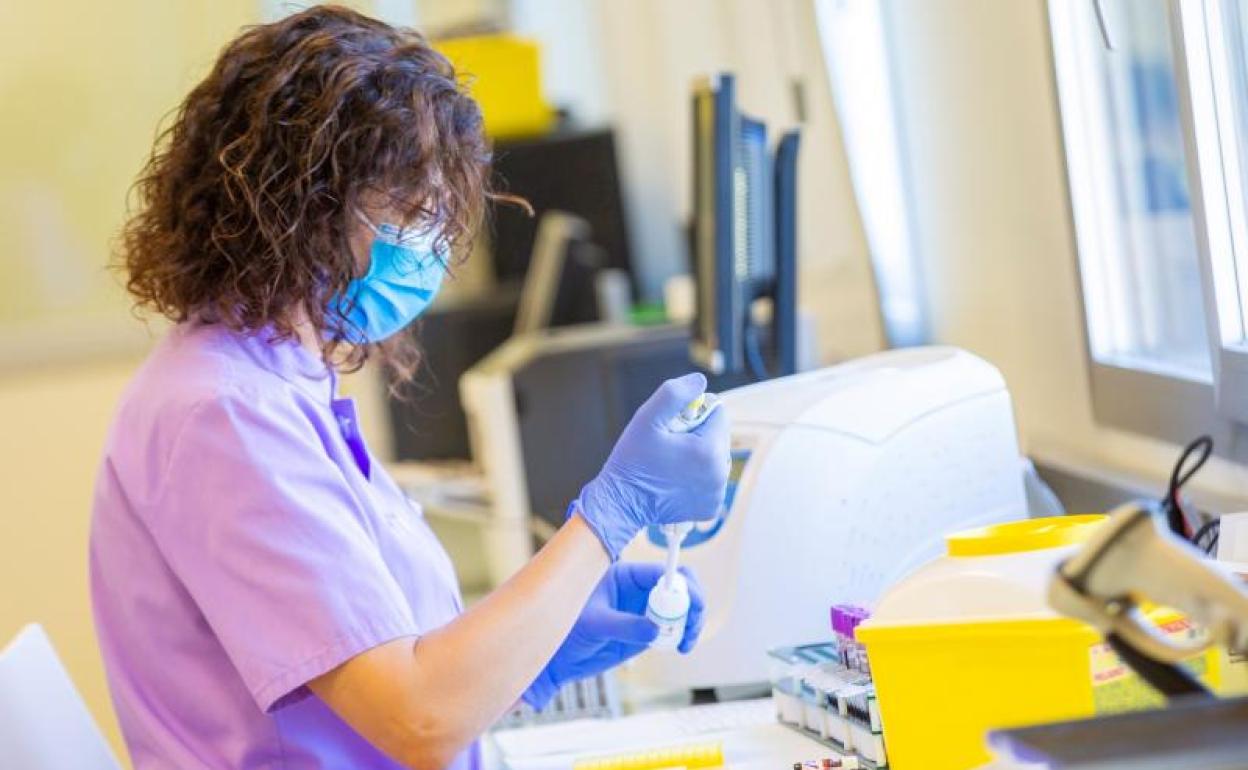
{"x":753,"y":742}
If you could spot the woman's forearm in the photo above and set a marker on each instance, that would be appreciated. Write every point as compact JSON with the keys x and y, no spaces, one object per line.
{"x":423,"y":703}
{"x":489,"y":655}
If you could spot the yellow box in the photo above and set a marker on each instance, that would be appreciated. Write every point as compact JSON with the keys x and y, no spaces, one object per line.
{"x":943,"y":685}
{"x":504,"y":75}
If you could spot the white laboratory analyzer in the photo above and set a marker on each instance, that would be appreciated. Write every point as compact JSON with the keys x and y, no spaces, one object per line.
{"x":843,"y":480}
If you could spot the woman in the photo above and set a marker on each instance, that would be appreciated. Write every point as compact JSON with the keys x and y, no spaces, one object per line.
{"x":265,"y":595}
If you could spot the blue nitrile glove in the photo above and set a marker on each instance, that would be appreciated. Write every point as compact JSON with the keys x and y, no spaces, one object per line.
{"x":655,"y":475}
{"x":612,"y":628}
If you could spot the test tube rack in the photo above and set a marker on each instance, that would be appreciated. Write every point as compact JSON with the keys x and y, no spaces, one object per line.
{"x":818,"y":695}
{"x":593,"y":697}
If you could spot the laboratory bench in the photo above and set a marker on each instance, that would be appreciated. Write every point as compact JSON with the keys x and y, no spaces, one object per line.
{"x":750,"y":736}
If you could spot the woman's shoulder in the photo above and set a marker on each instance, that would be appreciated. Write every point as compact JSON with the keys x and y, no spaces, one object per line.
{"x":196,"y":363}
{"x":197,"y":370}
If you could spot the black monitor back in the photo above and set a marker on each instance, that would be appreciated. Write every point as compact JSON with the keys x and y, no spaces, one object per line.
{"x":427,"y":422}
{"x":571,"y":171}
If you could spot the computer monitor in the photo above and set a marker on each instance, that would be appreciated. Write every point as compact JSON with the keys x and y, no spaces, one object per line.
{"x":571,"y":171}
{"x":744,"y":237}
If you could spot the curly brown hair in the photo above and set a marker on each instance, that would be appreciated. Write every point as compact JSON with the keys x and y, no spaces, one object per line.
{"x":245,"y":205}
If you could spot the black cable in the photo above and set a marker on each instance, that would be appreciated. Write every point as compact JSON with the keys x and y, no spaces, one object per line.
{"x":1180,"y":475}
{"x":1211,"y":527}
{"x":754,"y":352}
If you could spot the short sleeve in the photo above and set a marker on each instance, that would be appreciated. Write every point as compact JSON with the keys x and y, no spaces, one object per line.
{"x":263,"y":530}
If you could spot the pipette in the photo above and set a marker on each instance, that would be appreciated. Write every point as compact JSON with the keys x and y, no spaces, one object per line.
{"x":675,"y":535}
{"x":694,"y":414}
{"x":668,"y":603}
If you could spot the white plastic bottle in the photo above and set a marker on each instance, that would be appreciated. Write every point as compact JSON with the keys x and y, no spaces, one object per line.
{"x":668,"y":608}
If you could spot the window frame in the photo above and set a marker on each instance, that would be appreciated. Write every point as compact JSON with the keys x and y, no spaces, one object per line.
{"x":1204,"y":101}
{"x":1151,"y":400}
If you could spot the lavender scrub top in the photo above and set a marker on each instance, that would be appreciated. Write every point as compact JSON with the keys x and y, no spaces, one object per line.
{"x":243,"y":542}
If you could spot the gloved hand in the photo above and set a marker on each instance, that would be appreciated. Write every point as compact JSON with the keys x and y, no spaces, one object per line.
{"x":612,"y":628}
{"x":655,"y":475}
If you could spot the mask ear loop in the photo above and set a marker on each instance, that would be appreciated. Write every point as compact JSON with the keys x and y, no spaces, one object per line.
{"x":374,"y":229}
{"x":399,"y":235}
{"x":377,"y":230}
{"x":440,"y":257}
{"x":436,"y":257}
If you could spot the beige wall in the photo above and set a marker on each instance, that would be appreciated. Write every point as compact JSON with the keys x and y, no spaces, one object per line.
{"x":84,"y":86}
{"x":55,"y":421}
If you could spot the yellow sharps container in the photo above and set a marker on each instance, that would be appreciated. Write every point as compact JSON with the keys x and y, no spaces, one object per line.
{"x":967,"y":643}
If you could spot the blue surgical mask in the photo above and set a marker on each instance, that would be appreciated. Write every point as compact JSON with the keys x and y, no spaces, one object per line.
{"x":404,"y":275}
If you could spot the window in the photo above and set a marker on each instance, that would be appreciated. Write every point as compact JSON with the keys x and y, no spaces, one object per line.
{"x":1154,"y":106}
{"x":1213,"y":39}
{"x":1129,"y":187}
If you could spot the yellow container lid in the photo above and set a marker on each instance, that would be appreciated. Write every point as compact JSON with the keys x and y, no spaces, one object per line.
{"x":1038,"y":630}
{"x":1025,"y":535}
